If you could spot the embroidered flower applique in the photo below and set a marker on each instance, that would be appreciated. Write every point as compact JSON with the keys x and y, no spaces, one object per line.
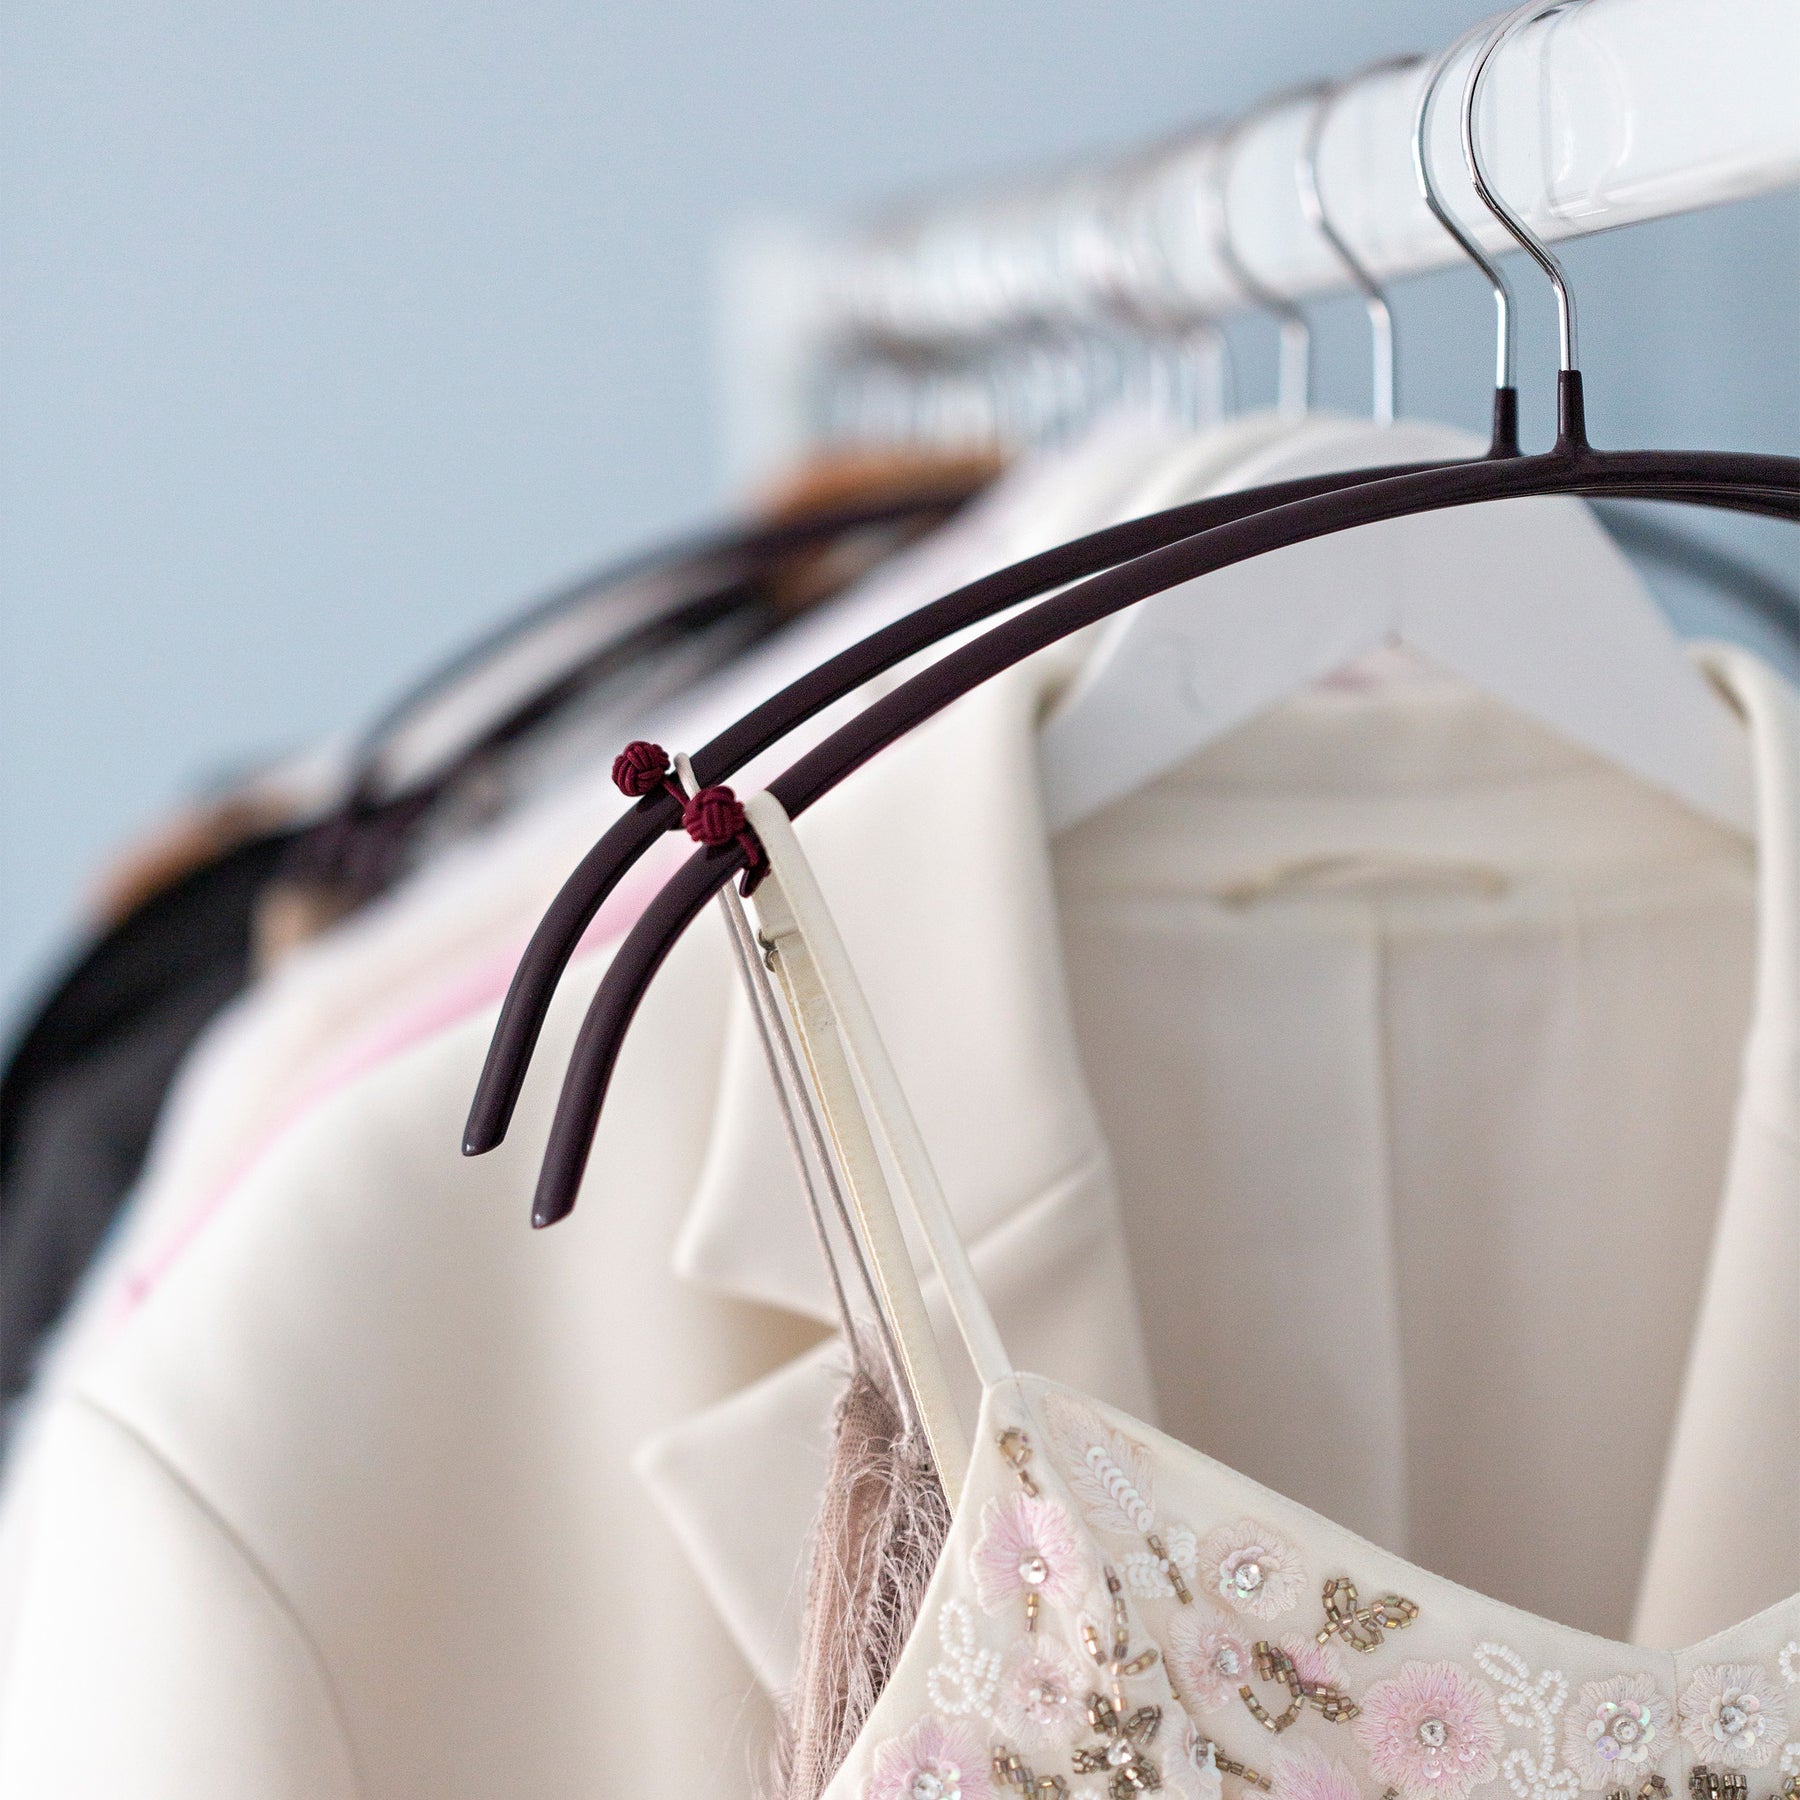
{"x":1208,"y":1659}
{"x":1616,"y":1731}
{"x":1432,"y":1731}
{"x":1309,"y":1774}
{"x":1252,"y":1570}
{"x":1111,"y":1477}
{"x":1733,"y":1714}
{"x":932,"y":1761}
{"x":1042,"y":1694}
{"x":1029,"y":1549}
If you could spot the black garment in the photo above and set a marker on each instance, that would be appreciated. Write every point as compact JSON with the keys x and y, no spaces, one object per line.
{"x":82,"y":1089}
{"x":80,"y":1094}
{"x":78,"y":1154}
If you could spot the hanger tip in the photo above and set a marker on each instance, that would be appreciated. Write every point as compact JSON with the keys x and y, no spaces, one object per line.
{"x":550,"y":1209}
{"x":482,"y":1134}
{"x":490,"y":1116}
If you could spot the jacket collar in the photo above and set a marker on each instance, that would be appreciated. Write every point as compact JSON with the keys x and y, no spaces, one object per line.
{"x":1729,"y":1483}
{"x":967,"y":979}
{"x":947,"y":819}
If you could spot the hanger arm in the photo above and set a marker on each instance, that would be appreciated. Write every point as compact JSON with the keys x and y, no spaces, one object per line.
{"x":1769,"y":484}
{"x":631,"y":836}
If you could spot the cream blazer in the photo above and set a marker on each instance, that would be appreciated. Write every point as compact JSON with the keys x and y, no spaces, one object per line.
{"x":1395,"y":1102}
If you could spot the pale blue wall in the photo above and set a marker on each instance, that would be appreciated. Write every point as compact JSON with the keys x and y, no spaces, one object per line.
{"x":330,"y":329}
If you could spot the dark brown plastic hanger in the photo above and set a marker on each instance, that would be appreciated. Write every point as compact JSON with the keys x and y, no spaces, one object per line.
{"x":1764,"y":484}
{"x":631,"y":836}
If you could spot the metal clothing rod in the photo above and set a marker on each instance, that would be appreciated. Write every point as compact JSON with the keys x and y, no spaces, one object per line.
{"x":1606,"y":114}
{"x":1609,"y":114}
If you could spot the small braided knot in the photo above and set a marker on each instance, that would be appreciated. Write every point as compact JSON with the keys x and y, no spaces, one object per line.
{"x":713,"y":816}
{"x":640,"y":769}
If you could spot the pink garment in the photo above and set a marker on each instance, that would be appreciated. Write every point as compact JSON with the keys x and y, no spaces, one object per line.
{"x":466,"y":992}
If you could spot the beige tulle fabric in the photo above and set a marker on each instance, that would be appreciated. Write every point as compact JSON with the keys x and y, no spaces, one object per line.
{"x":881,"y":1525}
{"x":883,"y":1516}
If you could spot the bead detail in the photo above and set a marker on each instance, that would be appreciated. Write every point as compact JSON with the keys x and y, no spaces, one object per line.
{"x":1732,"y":1713}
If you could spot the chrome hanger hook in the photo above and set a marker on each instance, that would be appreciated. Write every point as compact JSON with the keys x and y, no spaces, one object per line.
{"x":1196,"y":338}
{"x":1505,"y":347}
{"x":1527,"y":239}
{"x":1293,"y":392}
{"x":1312,"y":202}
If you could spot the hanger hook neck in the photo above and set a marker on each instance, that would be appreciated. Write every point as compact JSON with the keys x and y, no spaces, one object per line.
{"x":1571,"y":420}
{"x":1293,"y":394}
{"x":1312,"y":202}
{"x":1506,"y":391}
{"x":1196,"y":338}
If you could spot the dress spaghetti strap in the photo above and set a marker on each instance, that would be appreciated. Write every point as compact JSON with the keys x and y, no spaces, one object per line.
{"x":863,"y":1101}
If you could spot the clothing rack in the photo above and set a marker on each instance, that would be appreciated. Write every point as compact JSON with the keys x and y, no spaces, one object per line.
{"x":1606,"y":114}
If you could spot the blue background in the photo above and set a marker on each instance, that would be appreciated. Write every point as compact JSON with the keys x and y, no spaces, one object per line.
{"x":331,"y":331}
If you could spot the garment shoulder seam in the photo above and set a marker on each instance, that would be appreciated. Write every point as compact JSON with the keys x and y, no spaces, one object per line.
{"x":253,"y":1564}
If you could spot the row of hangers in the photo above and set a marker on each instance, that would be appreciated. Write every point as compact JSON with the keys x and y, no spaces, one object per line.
{"x":959,"y":339}
{"x":1281,"y":547}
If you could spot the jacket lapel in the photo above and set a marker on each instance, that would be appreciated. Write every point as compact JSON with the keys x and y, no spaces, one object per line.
{"x":1726,"y":1542}
{"x":965,"y":974}
{"x":935,"y":864}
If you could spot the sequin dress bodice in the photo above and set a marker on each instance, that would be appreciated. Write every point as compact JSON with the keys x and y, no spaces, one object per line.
{"x":1116,"y":1614}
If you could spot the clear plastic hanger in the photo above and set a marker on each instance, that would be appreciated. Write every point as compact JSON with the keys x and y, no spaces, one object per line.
{"x":1530,"y":600}
{"x":1228,"y":457}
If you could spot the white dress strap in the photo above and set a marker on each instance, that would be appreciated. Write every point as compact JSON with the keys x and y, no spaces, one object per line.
{"x":859,"y":1088}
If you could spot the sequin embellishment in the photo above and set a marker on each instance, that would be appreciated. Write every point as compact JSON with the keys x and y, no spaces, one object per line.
{"x":1110,"y":1477}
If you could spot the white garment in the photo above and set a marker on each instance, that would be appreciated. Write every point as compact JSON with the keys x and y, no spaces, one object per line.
{"x":446,"y":942}
{"x":348,"y":1498}
{"x":467,"y":916}
{"x":1416,"y":1034}
{"x":299,"y":1106}
{"x":1113,"y":1603}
